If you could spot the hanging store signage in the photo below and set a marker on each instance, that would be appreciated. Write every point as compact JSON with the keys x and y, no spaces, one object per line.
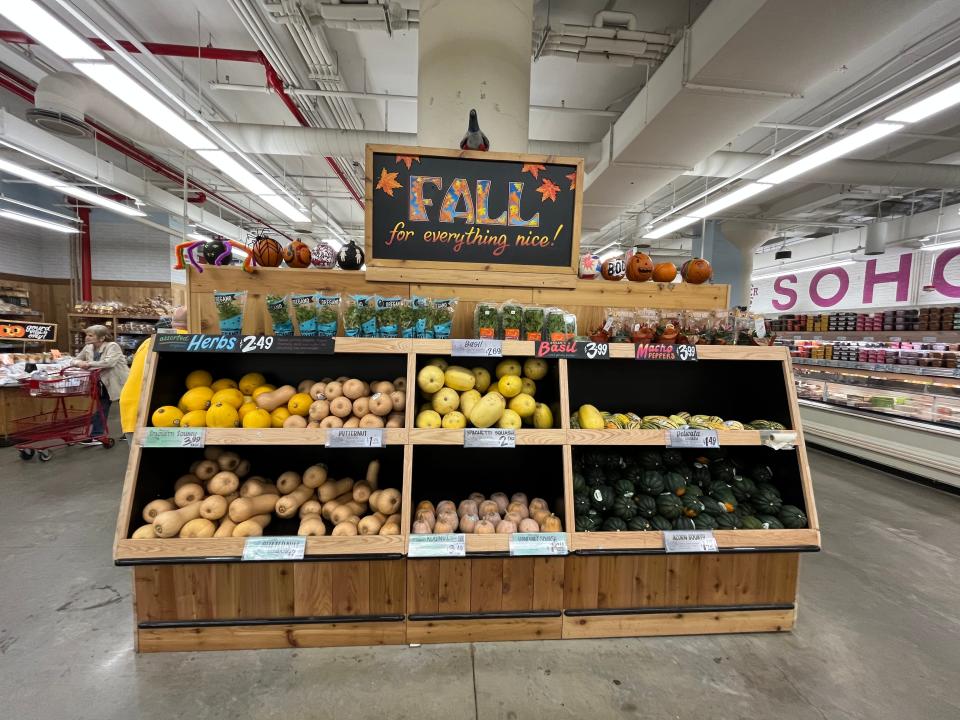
{"x":573,"y":350}
{"x":655,"y":351}
{"x":28,"y":331}
{"x":252,"y":344}
{"x":486,"y":210}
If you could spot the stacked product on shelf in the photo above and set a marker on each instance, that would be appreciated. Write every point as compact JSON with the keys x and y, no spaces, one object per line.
{"x":901,"y":352}
{"x":484,"y":516}
{"x":588,"y":417}
{"x":927,"y":318}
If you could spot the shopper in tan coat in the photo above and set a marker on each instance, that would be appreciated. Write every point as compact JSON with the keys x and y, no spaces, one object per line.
{"x":101,"y":353}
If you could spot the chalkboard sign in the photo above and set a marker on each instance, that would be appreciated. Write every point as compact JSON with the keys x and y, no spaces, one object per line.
{"x":28,"y":331}
{"x":277,"y":345}
{"x":473,"y":209}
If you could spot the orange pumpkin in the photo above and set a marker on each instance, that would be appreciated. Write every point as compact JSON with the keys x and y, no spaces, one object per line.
{"x":696,"y":271}
{"x":664,"y":272}
{"x":639,"y":267}
{"x":613,"y":269}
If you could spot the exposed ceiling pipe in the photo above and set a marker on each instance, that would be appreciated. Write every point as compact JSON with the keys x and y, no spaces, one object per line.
{"x":208,"y":53}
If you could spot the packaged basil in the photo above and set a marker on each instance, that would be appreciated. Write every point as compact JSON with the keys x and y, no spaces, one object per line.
{"x":230,"y":310}
{"x":359,"y":316}
{"x":442,"y":317}
{"x":556,"y":325}
{"x":422,"y":317}
{"x":305,"y":313}
{"x":328,"y":310}
{"x":485,"y":321}
{"x":532,"y":323}
{"x":570,"y":325}
{"x":388,"y":316}
{"x":511,"y":320}
{"x":278,"y":307}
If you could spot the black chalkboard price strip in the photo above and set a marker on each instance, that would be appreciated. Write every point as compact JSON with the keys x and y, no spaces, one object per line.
{"x":245,"y":344}
{"x":657,"y":351}
{"x":573,"y":350}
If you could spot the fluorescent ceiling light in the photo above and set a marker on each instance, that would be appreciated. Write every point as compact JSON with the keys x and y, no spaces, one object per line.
{"x":841,"y":147}
{"x":132,"y":93}
{"x":666,"y":229}
{"x":783,"y":271}
{"x":928,"y":106}
{"x":941,"y":246}
{"x":68,"y":218}
{"x":66,"y":188}
{"x":43,"y":27}
{"x":251,"y":182}
{"x":730,"y":199}
{"x":39,"y":222}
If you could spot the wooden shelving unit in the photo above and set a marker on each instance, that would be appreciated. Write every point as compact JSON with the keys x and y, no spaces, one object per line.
{"x":78,"y":321}
{"x":365,"y":590}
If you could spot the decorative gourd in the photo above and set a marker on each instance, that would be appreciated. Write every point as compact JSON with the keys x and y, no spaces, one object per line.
{"x":639,"y":267}
{"x":696,"y":271}
{"x":323,"y":256}
{"x":664,"y":272}
{"x":613,"y":269}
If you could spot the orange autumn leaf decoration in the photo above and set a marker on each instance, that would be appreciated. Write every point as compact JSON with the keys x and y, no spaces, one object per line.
{"x":388,"y":182}
{"x":548,"y":190}
{"x":408,"y":160}
{"x":572,"y":177}
{"x":533,"y":170}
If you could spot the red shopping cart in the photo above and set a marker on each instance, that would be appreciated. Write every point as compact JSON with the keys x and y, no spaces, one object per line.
{"x":67,"y":423}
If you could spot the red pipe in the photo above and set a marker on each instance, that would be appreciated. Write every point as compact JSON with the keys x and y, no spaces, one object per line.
{"x":86,"y":271}
{"x":24,"y":90}
{"x":274,"y":82}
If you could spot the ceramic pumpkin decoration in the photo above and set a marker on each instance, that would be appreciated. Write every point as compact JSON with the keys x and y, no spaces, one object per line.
{"x":696,"y":271}
{"x":323,"y":256}
{"x":213,"y":249}
{"x":664,"y":272}
{"x":266,"y":252}
{"x":350,"y":257}
{"x":296,"y":254}
{"x":639,"y":267}
{"x":613,"y":269}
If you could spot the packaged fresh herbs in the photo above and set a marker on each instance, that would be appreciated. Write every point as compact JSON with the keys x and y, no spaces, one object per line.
{"x":230,"y":310}
{"x":570,"y":325}
{"x":408,"y":319}
{"x":278,"y":307}
{"x":328,"y":309}
{"x":359,"y":316}
{"x":442,"y":317}
{"x":422,"y":310}
{"x":511,"y":320}
{"x":388,"y":316}
{"x":305,"y":312}
{"x":485,"y":319}
{"x":532,"y":323}
{"x":556,"y":325}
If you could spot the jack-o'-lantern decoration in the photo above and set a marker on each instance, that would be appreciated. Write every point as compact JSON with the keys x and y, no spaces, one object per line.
{"x":696,"y":271}
{"x":664,"y":272}
{"x":266,"y":252}
{"x":296,"y":254}
{"x":639,"y":267}
{"x":613,"y":269}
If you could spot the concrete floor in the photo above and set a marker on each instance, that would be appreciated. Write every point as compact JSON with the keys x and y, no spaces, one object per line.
{"x":878,"y":635}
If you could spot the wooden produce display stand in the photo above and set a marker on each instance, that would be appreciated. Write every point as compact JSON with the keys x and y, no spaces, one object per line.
{"x":196,"y":594}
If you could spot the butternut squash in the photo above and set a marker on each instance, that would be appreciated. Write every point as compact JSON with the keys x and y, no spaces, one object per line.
{"x":310,"y":507}
{"x":381,"y":405}
{"x":243,"y":469}
{"x":351,"y":422}
{"x":371,"y":421}
{"x":243,"y":509}
{"x":316,"y":391}
{"x":341,"y":406}
{"x":226,"y":528}
{"x":361,"y":492}
{"x":223,"y":483}
{"x":331,"y":505}
{"x":288,"y":482}
{"x":144,"y":532}
{"x":400,"y":383}
{"x":389,"y":501}
{"x":155,"y":507}
{"x":228,"y":461}
{"x":344,"y":528}
{"x":361,"y":406}
{"x":213,"y":452}
{"x":198,"y":528}
{"x":394,"y":420}
{"x":399,"y":400}
{"x":295,"y":421}
{"x":333,"y":390}
{"x":312,"y":526}
{"x":353,"y":389}
{"x":187,"y":495}
{"x":331,"y":421}
{"x":341,"y":513}
{"x":369,"y":525}
{"x":288,"y":505}
{"x":214,"y":507}
{"x":304,"y":386}
{"x":184,"y":479}
{"x":390,"y":529}
{"x":252,"y":527}
{"x":383,"y":386}
{"x":330,"y":490}
{"x":395,"y":518}
{"x":270,"y":401}
{"x":168,"y":524}
{"x":319,"y":409}
{"x":252,"y":487}
{"x":373,"y":474}
{"x":206,"y":469}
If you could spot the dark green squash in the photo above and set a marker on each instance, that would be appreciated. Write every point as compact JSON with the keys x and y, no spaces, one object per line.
{"x":722,"y":470}
{"x":725,"y":521}
{"x":704,"y":522}
{"x":761,"y":473}
{"x":701,"y":475}
{"x":692,"y":491}
{"x":582,"y":523}
{"x":614,"y":524}
{"x":624,"y":488}
{"x":624,"y":507}
{"x":646,"y":505}
{"x":767,"y":499}
{"x":672,"y":458}
{"x":723,"y":495}
{"x":601,"y":498}
{"x":743,"y":487}
{"x":684,"y":523}
{"x":692,"y":506}
{"x":651,"y":460}
{"x":594,"y":477}
{"x":769,"y":522}
{"x":639,"y":523}
{"x":712,"y":506}
{"x":612,"y":460}
{"x":651,"y":483}
{"x":581,"y":503}
{"x":746,"y":508}
{"x":579,"y":482}
{"x":658,"y":522}
{"x":669,"y":505}
{"x":750,"y":522}
{"x":792,"y":517}
{"x":686,"y":472}
{"x":633,"y":473}
{"x":673,"y":482}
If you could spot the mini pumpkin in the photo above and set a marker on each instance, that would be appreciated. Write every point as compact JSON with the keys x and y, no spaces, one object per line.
{"x":664,"y":272}
{"x":613,"y":269}
{"x":639,"y":267}
{"x":696,"y":271}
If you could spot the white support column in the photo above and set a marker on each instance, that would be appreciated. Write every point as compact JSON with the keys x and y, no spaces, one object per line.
{"x":732,"y":256}
{"x":474,"y":55}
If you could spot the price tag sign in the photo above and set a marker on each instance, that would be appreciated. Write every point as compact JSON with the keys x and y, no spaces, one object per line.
{"x":445,"y":545}
{"x":692,"y":438}
{"x":759,"y":327}
{"x":538,"y":544}
{"x":354,"y":438}
{"x":489,"y":438}
{"x":174,"y":437}
{"x":274,"y":548}
{"x":654,"y":351}
{"x":256,"y":344}
{"x":573,"y":350}
{"x":689,"y":541}
{"x":478,"y":348}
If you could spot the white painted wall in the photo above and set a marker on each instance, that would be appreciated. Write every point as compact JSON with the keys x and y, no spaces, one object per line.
{"x":127,"y":250}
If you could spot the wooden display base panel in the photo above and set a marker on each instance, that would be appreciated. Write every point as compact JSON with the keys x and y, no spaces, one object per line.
{"x":485,"y":629}
{"x":712,"y":622}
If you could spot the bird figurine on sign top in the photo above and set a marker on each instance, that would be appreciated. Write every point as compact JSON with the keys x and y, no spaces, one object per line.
{"x":474,"y":139}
